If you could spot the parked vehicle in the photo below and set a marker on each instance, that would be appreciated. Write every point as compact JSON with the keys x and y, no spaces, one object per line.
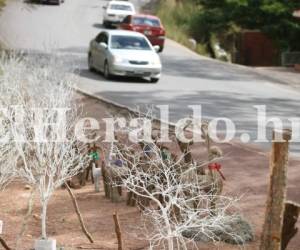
{"x":150,"y":26}
{"x":124,"y":53}
{"x":116,"y":11}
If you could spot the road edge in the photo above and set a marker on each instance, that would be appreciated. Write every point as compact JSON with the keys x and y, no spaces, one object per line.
{"x":252,"y":148}
{"x":249,"y":69}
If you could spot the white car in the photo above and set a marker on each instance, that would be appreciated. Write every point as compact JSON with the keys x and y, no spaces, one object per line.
{"x":116,"y":11}
{"x":124,"y":53}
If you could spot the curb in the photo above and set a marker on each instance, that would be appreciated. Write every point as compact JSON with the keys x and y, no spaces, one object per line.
{"x":118,"y":105}
{"x":105,"y":100}
{"x":252,"y":148}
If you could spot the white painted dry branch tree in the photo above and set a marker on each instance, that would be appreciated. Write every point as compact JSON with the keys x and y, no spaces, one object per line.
{"x":8,"y":161}
{"x":8,"y":156}
{"x":40,"y":116}
{"x":178,"y":200}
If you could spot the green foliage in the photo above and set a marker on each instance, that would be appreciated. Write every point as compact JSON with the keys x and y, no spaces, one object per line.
{"x":273,"y":17}
{"x":177,"y":17}
{"x":2,"y":3}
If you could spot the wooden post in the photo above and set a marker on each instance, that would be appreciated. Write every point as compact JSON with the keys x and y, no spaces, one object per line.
{"x":115,"y":195}
{"x":76,"y":207}
{"x":118,"y":231}
{"x":272,"y":229}
{"x":96,"y":176}
{"x":185,"y":149}
{"x":289,"y":229}
{"x":105,"y":181}
{"x":26,"y":219}
{"x":3,"y":243}
{"x":131,"y":199}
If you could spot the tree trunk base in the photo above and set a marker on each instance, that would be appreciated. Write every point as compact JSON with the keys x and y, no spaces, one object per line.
{"x":49,"y":244}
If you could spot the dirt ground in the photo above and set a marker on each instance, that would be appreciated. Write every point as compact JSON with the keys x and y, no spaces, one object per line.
{"x":245,"y":168}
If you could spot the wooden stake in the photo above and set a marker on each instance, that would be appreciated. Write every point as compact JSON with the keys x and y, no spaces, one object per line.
{"x":87,"y":234}
{"x":114,"y":195}
{"x":289,"y":229}
{"x":185,"y":149}
{"x":105,"y":181}
{"x":272,"y":229}
{"x":118,"y":231}
{"x":3,"y":243}
{"x":26,"y":219}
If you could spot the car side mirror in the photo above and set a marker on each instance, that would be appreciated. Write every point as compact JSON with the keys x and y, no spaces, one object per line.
{"x":103,"y":45}
{"x":156,"y":48}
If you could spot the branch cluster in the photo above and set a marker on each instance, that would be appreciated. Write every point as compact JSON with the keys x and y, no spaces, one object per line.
{"x":175,"y":200}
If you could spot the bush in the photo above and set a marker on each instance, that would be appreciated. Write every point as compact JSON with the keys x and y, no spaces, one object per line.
{"x":274,"y":18}
{"x":177,"y":17}
{"x":220,"y":21}
{"x":236,"y":231}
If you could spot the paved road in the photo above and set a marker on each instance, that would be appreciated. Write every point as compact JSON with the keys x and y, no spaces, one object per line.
{"x":223,"y":90}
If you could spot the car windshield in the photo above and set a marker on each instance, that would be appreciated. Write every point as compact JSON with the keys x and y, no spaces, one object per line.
{"x":120,"y":7}
{"x":129,"y":42}
{"x":146,"y":21}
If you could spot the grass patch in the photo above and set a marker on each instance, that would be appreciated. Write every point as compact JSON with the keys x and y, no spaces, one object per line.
{"x":177,"y":17}
{"x":2,"y":4}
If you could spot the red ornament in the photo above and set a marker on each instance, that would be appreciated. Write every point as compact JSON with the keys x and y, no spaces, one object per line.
{"x":217,"y":167}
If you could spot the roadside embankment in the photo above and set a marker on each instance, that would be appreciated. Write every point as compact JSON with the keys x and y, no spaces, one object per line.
{"x":2,"y":4}
{"x":177,"y":17}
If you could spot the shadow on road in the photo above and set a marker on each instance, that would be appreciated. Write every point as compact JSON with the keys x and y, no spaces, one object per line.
{"x":83,"y":50}
{"x":74,"y":60}
{"x":209,"y":69}
{"x":76,"y":57}
{"x":116,"y":79}
{"x":101,"y":26}
{"x":38,"y":2}
{"x":98,"y":25}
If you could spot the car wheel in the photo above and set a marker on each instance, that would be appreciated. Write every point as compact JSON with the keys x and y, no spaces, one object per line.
{"x":161,"y":48}
{"x":106,"y":72}
{"x":91,"y":63}
{"x":154,"y":80}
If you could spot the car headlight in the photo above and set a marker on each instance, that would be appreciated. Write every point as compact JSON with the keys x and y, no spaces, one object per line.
{"x":155,"y":61}
{"x":118,"y":59}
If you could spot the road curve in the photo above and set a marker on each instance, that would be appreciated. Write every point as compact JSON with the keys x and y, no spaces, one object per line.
{"x":223,"y":90}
